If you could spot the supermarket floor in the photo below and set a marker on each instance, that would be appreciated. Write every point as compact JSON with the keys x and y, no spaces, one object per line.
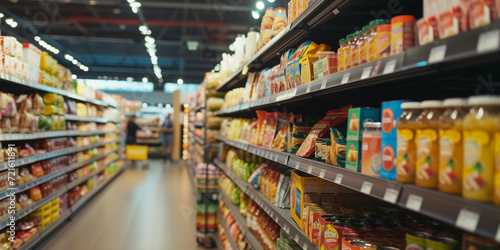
{"x":140,"y":209}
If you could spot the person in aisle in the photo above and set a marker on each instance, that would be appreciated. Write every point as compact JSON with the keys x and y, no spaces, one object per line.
{"x":168,"y":137}
{"x":132,"y":129}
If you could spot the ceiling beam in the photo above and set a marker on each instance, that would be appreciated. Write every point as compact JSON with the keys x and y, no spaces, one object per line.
{"x":136,"y":22}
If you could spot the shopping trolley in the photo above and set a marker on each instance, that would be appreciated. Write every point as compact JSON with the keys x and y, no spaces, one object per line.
{"x":138,"y":153}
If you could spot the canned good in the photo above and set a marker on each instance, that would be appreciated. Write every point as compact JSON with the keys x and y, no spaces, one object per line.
{"x":440,"y":243}
{"x":474,"y":242}
{"x":357,"y":244}
{"x":416,"y":240}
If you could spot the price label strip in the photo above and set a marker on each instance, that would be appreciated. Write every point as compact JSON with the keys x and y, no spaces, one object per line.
{"x":297,"y":165}
{"x":345,"y":78}
{"x":308,"y":89}
{"x":391,"y":195}
{"x":390,"y":66}
{"x":322,"y":173}
{"x":296,"y":238}
{"x":467,"y":220}
{"x":366,"y":187}
{"x":414,"y":202}
{"x":366,"y":72}
{"x":437,"y":54}
{"x":338,"y":178}
{"x":323,"y":84}
{"x":488,"y":41}
{"x":309,"y":169}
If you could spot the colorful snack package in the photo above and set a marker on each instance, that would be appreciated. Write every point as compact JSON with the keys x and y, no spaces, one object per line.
{"x":279,"y":142}
{"x":254,"y":179}
{"x":270,"y":129}
{"x":261,"y":124}
{"x":320,"y":129}
{"x":261,"y":84}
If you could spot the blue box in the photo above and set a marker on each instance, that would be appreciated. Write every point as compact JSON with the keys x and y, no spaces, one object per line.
{"x":391,"y":111}
{"x":389,"y":156}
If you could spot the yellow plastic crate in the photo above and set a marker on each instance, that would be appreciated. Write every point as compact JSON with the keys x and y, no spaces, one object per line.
{"x":54,"y":217}
{"x":54,"y":210}
{"x":135,"y":152}
{"x":55,"y":202}
{"x":45,"y":222}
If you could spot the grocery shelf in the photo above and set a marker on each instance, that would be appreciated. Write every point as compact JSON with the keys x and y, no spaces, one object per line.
{"x":51,"y":134}
{"x":42,"y":234}
{"x":198,"y":108}
{"x":472,"y":48}
{"x":226,"y":231}
{"x":199,"y":140}
{"x":475,"y":217}
{"x":89,"y":119}
{"x":90,"y":175}
{"x":280,"y":215}
{"x":26,"y":84}
{"x":242,"y":224}
{"x":198,"y":124}
{"x":218,"y":243}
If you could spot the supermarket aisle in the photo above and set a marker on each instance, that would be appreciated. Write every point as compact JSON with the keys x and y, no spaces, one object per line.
{"x":141,"y":209}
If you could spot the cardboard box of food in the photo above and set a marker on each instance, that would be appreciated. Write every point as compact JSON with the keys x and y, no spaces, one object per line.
{"x":302,"y":184}
{"x":357,"y":118}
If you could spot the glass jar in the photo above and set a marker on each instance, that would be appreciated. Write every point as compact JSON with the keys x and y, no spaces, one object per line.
{"x":371,"y":161}
{"x":383,"y":40}
{"x":348,"y":50}
{"x":363,"y":47}
{"x":427,"y":140}
{"x":341,"y":54}
{"x":479,"y":140}
{"x":407,"y":151}
{"x":357,"y":39}
{"x":451,"y":146}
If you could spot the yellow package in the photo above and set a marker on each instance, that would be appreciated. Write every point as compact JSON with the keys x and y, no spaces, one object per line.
{"x":45,"y":61}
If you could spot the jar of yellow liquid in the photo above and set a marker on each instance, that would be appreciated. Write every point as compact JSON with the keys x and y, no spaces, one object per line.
{"x":479,"y":148}
{"x":356,"y":44}
{"x":427,"y":140}
{"x":363,"y":47}
{"x":348,"y":47}
{"x":407,"y":152}
{"x":341,"y":54}
{"x":496,"y":191}
{"x":451,"y":146}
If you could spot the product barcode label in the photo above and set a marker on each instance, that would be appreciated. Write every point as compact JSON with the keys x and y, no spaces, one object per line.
{"x":366,"y":187}
{"x":414,"y":202}
{"x":297,"y":165}
{"x":389,"y":67}
{"x":391,"y":195}
{"x":366,"y":72}
{"x":437,"y":54}
{"x":467,"y":220}
{"x":309,"y":169}
{"x":488,"y":41}
{"x":322,"y":173}
{"x":323,"y":84}
{"x":338,"y":178}
{"x":345,"y":78}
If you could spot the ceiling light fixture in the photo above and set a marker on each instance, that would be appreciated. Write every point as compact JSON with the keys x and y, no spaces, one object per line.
{"x":1,"y":15}
{"x":180,"y":81}
{"x":255,"y":14}
{"x":271,"y":1}
{"x":144,"y":79}
{"x":231,"y":47}
{"x":73,"y":76}
{"x":144,"y":105}
{"x":260,"y":5}
{"x":160,"y":105}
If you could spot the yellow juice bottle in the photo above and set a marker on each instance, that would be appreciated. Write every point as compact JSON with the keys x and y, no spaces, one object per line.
{"x":341,"y":54}
{"x":348,"y":47}
{"x":407,"y":152}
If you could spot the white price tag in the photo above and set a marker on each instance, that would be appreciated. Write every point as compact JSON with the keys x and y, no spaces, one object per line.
{"x":488,"y":41}
{"x":345,"y":78}
{"x":294,"y":93}
{"x":323,"y":84}
{"x":391,"y":195}
{"x":309,"y":169}
{"x":467,"y":220}
{"x":338,"y":178}
{"x":287,"y":230}
{"x":308,"y":89}
{"x":366,"y":72}
{"x":437,"y":54}
{"x":322,"y":173}
{"x":272,"y":214}
{"x":276,"y":157}
{"x":305,"y":246}
{"x":367,"y":187}
{"x":296,"y":238}
{"x":389,"y":67}
{"x":497,"y":235}
{"x":297,"y":165}
{"x":414,"y":202}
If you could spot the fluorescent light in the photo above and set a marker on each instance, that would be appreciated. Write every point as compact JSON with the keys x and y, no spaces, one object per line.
{"x":160,"y":105}
{"x":255,"y":14}
{"x":144,"y":105}
{"x":144,"y":79}
{"x":168,"y":106}
{"x":271,"y":1}
{"x":37,"y":38}
{"x":260,"y":5}
{"x":180,"y":81}
{"x":231,"y":47}
{"x":1,"y":15}
{"x":9,"y":21}
{"x":130,"y":79}
{"x":130,"y":1}
{"x":73,"y":76}
{"x":74,"y":61}
{"x":135,"y":4}
{"x":13,"y":24}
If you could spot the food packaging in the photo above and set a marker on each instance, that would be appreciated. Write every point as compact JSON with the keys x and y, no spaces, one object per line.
{"x":389,"y":156}
{"x":481,"y":12}
{"x":402,"y":33}
{"x":353,"y":161}
{"x":280,"y":21}
{"x":302,"y":184}
{"x":357,"y":118}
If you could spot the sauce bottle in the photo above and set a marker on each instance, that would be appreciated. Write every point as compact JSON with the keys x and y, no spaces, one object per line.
{"x":407,"y":152}
{"x":372,"y":39}
{"x":383,"y":40}
{"x":496,"y":196}
{"x":363,"y":47}
{"x":427,"y":140}
{"x":341,"y":54}
{"x":479,"y":141}
{"x":450,"y":146}
{"x":348,"y":48}
{"x":355,"y":48}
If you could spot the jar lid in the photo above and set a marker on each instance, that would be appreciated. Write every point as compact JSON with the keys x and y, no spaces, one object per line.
{"x":366,"y":27}
{"x":411,"y":105}
{"x":488,"y":100}
{"x":270,"y":9}
{"x":455,"y":102}
{"x":384,"y":27}
{"x":372,"y":125}
{"x":373,"y":22}
{"x":403,"y":19}
{"x":342,"y":40}
{"x":383,"y":21}
{"x":357,"y":33}
{"x":431,"y":104}
{"x":350,"y":36}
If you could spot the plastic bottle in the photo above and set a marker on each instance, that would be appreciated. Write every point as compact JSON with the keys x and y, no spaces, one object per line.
{"x":372,"y":39}
{"x":363,"y":47}
{"x":341,"y":54}
{"x":355,"y":48}
{"x":402,"y":33}
{"x":479,"y":141}
{"x":451,"y":146}
{"x":407,"y":151}
{"x":348,"y":48}
{"x":427,"y":140}
{"x":496,"y":196}
{"x":383,"y":40}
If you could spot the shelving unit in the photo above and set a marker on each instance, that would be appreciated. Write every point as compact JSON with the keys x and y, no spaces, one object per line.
{"x":226,"y":230}
{"x":51,"y":134}
{"x":89,"y":119}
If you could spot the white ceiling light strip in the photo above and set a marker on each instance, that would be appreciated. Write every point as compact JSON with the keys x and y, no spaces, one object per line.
{"x":149,"y":42}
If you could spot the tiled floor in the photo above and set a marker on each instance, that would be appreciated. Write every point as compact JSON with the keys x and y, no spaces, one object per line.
{"x":140,"y":209}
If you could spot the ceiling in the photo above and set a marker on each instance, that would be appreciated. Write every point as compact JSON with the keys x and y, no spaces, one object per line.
{"x":104,"y":35}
